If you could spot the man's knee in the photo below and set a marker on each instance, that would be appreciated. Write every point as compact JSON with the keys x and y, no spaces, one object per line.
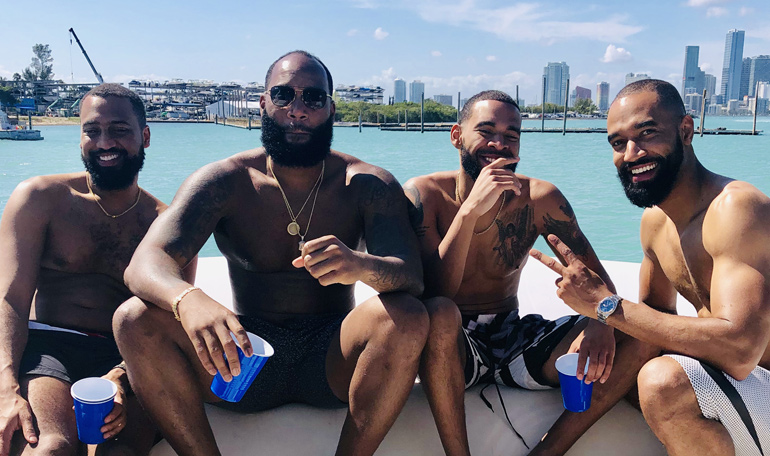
{"x":663,"y":385}
{"x":132,"y":319}
{"x":51,"y":444}
{"x":444,"y":316}
{"x":403,"y":321}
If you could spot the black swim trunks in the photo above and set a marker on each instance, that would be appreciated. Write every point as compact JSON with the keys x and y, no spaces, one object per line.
{"x":297,"y":370}
{"x":503,"y":348}
{"x":67,"y":355}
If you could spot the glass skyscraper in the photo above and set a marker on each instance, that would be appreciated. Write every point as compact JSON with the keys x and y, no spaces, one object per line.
{"x":732,"y":65}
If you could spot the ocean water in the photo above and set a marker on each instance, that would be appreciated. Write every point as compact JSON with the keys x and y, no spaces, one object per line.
{"x":579,"y":164}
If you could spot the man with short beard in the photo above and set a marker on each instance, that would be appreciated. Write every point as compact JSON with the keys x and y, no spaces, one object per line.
{"x":706,"y":237}
{"x":65,"y":241}
{"x":299,"y":224}
{"x":475,"y":227}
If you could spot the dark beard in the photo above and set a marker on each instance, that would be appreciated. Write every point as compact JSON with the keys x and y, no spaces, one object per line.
{"x":113,"y":178}
{"x":471,"y":165}
{"x":296,"y":155}
{"x":656,"y":190}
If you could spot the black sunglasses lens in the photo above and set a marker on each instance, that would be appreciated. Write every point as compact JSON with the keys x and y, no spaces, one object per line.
{"x":314,"y":98}
{"x":282,"y":95}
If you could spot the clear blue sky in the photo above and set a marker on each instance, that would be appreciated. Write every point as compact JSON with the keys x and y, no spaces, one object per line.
{"x":451,"y":45}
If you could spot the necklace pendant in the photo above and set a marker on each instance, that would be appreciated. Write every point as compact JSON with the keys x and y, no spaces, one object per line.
{"x":293,"y":228}
{"x":301,"y":244}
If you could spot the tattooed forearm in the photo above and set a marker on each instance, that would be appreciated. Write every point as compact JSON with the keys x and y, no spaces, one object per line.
{"x":387,"y":277}
{"x":416,"y":211}
{"x":517,"y":234}
{"x":568,"y":232}
{"x":567,"y":209}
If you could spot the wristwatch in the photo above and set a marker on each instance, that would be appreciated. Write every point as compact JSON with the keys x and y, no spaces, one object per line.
{"x":607,"y":306}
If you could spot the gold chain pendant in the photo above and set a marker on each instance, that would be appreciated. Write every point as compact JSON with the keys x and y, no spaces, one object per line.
{"x":293,"y":228}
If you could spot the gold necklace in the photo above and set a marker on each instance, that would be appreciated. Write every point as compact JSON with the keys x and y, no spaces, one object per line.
{"x":293,"y":227}
{"x":91,"y":192}
{"x":459,"y":198}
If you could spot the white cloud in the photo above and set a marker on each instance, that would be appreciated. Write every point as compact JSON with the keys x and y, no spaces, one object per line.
{"x":706,"y":67}
{"x":491,"y":58}
{"x":615,"y":54}
{"x":699,"y":3}
{"x":521,"y":21}
{"x":5,"y":73}
{"x":352,"y":32}
{"x":745,"y":11}
{"x":380,"y":34}
{"x":716,"y":11}
{"x":384,"y":79}
{"x":435,"y":53}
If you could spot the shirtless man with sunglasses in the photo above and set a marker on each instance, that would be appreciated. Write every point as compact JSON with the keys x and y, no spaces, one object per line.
{"x":299,"y":224}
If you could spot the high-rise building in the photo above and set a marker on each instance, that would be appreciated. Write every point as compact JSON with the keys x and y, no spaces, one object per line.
{"x":556,"y":76}
{"x":399,"y":90}
{"x":462,"y":102}
{"x":416,"y":91}
{"x":745,"y":70}
{"x":633,"y":77}
{"x":710,"y":84}
{"x":692,"y":76}
{"x":603,"y":96}
{"x":759,"y":72}
{"x":579,"y":93}
{"x":732,"y":66}
{"x":443,"y":99}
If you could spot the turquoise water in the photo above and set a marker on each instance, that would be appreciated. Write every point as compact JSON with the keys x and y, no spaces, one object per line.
{"x":579,"y":164}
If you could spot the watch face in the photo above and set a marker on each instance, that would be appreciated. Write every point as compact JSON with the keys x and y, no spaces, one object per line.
{"x":607,"y":305}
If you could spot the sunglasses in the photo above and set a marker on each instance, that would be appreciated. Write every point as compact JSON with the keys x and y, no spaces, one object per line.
{"x":313,"y":97}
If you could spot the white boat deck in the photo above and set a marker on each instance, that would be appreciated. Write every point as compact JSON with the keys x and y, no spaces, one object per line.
{"x":298,"y":430}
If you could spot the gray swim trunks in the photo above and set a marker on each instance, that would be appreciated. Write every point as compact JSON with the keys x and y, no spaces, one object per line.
{"x":297,"y":370}
{"x":503,"y":348}
{"x":714,"y":404}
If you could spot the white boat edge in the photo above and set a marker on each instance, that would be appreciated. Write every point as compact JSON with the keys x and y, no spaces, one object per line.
{"x":297,"y":429}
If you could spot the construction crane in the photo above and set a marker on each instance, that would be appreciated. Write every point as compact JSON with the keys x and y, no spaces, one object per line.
{"x":96,"y":73}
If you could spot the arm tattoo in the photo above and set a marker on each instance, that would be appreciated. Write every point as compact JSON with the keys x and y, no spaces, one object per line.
{"x":416,"y":211}
{"x":567,"y":231}
{"x":388,"y":276}
{"x":199,"y":218}
{"x":516,"y":234}
{"x":378,"y":195}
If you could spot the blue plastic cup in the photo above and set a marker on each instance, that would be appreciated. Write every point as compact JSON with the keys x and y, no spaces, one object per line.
{"x":575,"y":393}
{"x":234,"y":390}
{"x":94,"y":398}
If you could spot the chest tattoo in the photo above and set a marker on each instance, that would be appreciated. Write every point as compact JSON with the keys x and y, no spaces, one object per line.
{"x":516,"y":235}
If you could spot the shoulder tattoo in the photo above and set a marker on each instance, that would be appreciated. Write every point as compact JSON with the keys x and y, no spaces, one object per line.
{"x":416,"y":211}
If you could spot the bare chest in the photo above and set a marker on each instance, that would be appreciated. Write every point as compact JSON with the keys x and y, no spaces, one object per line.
{"x":82,"y":240}
{"x":687,"y":266}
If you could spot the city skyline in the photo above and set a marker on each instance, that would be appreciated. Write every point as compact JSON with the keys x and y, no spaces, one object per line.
{"x":451,"y":46}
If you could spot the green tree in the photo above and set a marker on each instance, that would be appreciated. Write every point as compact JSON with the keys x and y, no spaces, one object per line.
{"x":6,"y":97}
{"x":374,"y":113}
{"x":41,"y":68}
{"x":584,"y":106}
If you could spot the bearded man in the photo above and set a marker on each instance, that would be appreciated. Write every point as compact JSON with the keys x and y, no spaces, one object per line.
{"x":475,"y":227}
{"x":299,"y":224}
{"x":706,"y":237}
{"x":65,"y":241}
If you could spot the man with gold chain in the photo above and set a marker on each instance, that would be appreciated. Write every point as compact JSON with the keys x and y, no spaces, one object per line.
{"x":65,"y":241}
{"x":476,"y":227}
{"x":299,"y":224}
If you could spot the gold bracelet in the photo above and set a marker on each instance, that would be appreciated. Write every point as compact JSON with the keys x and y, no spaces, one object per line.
{"x":178,"y":299}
